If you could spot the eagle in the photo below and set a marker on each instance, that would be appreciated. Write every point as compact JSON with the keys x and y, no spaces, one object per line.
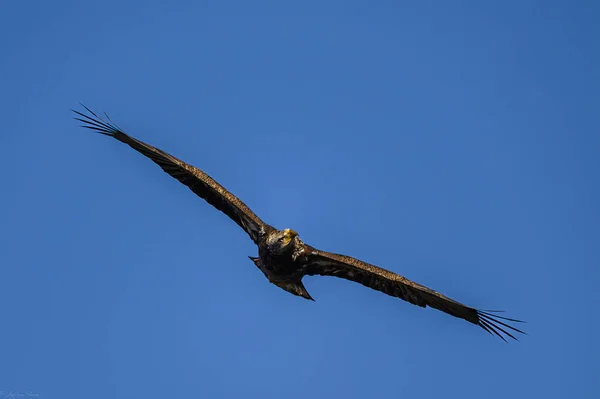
{"x":282,"y":255}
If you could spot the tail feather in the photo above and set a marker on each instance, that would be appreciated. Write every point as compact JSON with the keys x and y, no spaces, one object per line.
{"x":293,"y":288}
{"x":296,"y":289}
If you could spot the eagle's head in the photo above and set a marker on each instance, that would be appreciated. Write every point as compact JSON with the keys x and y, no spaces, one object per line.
{"x":281,"y":240}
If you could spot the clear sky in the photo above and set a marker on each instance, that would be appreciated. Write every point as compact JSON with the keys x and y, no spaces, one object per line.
{"x":456,"y":143}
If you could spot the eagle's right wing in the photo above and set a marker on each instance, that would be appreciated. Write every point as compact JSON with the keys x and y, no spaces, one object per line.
{"x":329,"y":264}
{"x":195,"y":179}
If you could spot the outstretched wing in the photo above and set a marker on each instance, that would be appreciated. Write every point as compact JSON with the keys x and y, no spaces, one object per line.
{"x":330,"y":264}
{"x":195,"y":179}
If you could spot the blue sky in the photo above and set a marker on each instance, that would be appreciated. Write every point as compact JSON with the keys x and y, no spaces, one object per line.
{"x":455,"y":143}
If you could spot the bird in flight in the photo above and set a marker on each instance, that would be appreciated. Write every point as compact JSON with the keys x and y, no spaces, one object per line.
{"x":283,"y":257}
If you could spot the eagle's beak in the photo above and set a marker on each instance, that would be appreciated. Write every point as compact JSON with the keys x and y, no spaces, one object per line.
{"x":289,"y":235}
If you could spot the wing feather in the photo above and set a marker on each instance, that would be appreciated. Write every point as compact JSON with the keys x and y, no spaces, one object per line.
{"x":195,"y":179}
{"x":330,"y":264}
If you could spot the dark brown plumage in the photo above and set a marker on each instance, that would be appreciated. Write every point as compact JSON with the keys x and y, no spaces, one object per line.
{"x":283,"y":257}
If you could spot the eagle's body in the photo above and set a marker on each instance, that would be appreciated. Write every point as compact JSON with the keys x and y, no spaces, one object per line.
{"x":284,"y":258}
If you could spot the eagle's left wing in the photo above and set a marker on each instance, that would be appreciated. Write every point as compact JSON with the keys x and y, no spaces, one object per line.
{"x":195,"y":179}
{"x":329,"y":264}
